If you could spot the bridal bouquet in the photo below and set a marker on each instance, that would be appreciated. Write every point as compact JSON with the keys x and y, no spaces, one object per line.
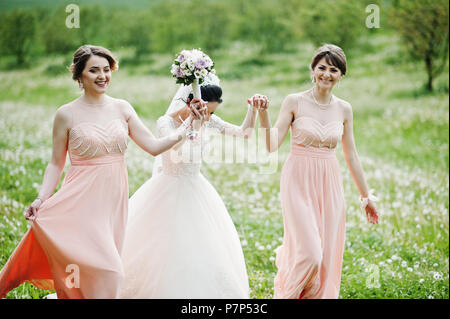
{"x":192,"y":67}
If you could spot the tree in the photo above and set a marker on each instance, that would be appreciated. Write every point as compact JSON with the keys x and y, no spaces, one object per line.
{"x":263,"y":23}
{"x":93,"y":24}
{"x":423,"y":25}
{"x":208,"y":25}
{"x":138,"y":33}
{"x":339,"y":22}
{"x":17,"y":32}
{"x":56,"y":36}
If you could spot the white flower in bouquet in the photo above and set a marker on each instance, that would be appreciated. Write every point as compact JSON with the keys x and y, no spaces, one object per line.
{"x":174,"y":69}
{"x":203,"y":73}
{"x":190,"y":65}
{"x":193,"y":66}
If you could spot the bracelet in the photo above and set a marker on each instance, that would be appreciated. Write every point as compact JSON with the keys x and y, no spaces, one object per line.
{"x":184,"y":123}
{"x":365,"y":200}
{"x":39,"y":199}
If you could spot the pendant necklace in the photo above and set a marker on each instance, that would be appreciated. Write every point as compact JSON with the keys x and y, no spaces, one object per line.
{"x":321,"y":106}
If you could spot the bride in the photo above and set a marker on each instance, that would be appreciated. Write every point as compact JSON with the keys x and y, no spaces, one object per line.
{"x":180,"y":241}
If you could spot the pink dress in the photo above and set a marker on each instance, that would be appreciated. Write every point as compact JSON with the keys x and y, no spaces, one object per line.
{"x":309,"y":261}
{"x":75,"y":242}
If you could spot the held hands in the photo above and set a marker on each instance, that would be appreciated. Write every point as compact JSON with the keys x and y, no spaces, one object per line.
{"x":30,"y":213}
{"x":259,"y":102}
{"x":199,"y":109}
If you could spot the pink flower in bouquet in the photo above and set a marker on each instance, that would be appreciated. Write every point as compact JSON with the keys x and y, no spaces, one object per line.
{"x":180,"y":58}
{"x":200,"y":64}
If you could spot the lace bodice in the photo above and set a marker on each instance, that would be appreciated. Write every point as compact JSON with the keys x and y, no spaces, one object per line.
{"x":310,"y":132}
{"x":179,"y":161}
{"x":89,"y":140}
{"x":186,"y":160}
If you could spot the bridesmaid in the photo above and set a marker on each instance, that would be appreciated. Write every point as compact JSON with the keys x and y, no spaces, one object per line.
{"x":309,"y":261}
{"x":76,"y":235}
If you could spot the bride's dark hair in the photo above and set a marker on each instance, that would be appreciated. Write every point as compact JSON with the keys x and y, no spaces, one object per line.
{"x":210,"y":93}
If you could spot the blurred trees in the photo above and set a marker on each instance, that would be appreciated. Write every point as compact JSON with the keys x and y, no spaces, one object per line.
{"x":17,"y":31}
{"x":423,"y":25}
{"x":55,"y":36}
{"x":339,"y":22}
{"x":167,"y":26}
{"x":270,"y":25}
{"x":135,"y":33}
{"x":263,"y":23}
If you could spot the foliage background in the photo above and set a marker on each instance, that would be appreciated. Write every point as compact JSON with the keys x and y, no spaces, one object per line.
{"x":401,"y":126}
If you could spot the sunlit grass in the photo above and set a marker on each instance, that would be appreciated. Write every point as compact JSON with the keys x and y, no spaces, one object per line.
{"x":401,"y":134}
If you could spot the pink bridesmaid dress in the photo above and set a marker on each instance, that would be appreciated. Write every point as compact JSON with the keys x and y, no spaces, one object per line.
{"x":75,"y":242}
{"x":309,"y":261}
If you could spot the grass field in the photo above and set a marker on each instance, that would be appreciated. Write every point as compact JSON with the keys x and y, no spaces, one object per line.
{"x":401,"y":133}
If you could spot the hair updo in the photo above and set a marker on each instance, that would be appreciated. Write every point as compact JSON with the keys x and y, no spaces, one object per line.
{"x":83,"y":54}
{"x":210,"y":93}
{"x":333,"y":54}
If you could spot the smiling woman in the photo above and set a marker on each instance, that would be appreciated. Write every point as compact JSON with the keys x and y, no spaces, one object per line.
{"x":76,"y":235}
{"x":309,"y":260}
{"x":92,"y":66}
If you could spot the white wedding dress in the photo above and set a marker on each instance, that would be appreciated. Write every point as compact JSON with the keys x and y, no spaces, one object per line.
{"x":180,"y":241}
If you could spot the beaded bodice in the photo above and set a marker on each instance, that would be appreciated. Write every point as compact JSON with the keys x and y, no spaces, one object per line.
{"x":89,"y":140}
{"x":310,"y":132}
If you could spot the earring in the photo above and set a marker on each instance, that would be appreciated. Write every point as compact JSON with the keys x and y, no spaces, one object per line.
{"x":313,"y":79}
{"x":339,"y":82}
{"x":80,"y":84}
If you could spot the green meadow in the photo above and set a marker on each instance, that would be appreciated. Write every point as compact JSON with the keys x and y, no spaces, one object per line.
{"x":401,"y":132}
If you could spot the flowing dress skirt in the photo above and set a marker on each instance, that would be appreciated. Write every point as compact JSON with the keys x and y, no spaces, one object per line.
{"x":181,"y":242}
{"x":75,"y":242}
{"x":309,"y":261}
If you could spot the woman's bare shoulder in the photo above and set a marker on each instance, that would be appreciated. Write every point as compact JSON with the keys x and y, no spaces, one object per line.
{"x":291,"y":101}
{"x":124,"y":107}
{"x":64,"y":113}
{"x":345,"y":106}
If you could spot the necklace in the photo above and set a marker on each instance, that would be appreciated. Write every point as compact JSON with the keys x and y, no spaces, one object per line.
{"x":321,"y":106}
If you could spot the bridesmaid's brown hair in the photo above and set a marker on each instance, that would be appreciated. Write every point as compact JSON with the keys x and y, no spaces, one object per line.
{"x":84,"y":53}
{"x":333,"y":54}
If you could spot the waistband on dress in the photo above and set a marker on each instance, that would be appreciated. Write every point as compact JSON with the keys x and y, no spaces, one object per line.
{"x":310,"y":151}
{"x":101,"y":160}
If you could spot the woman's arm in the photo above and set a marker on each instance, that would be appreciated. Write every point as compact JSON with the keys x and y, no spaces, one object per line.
{"x":275,"y":135}
{"x":354,"y":164}
{"x":165,"y":128}
{"x":244,"y":131}
{"x":142,"y":136}
{"x":55,"y":167}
